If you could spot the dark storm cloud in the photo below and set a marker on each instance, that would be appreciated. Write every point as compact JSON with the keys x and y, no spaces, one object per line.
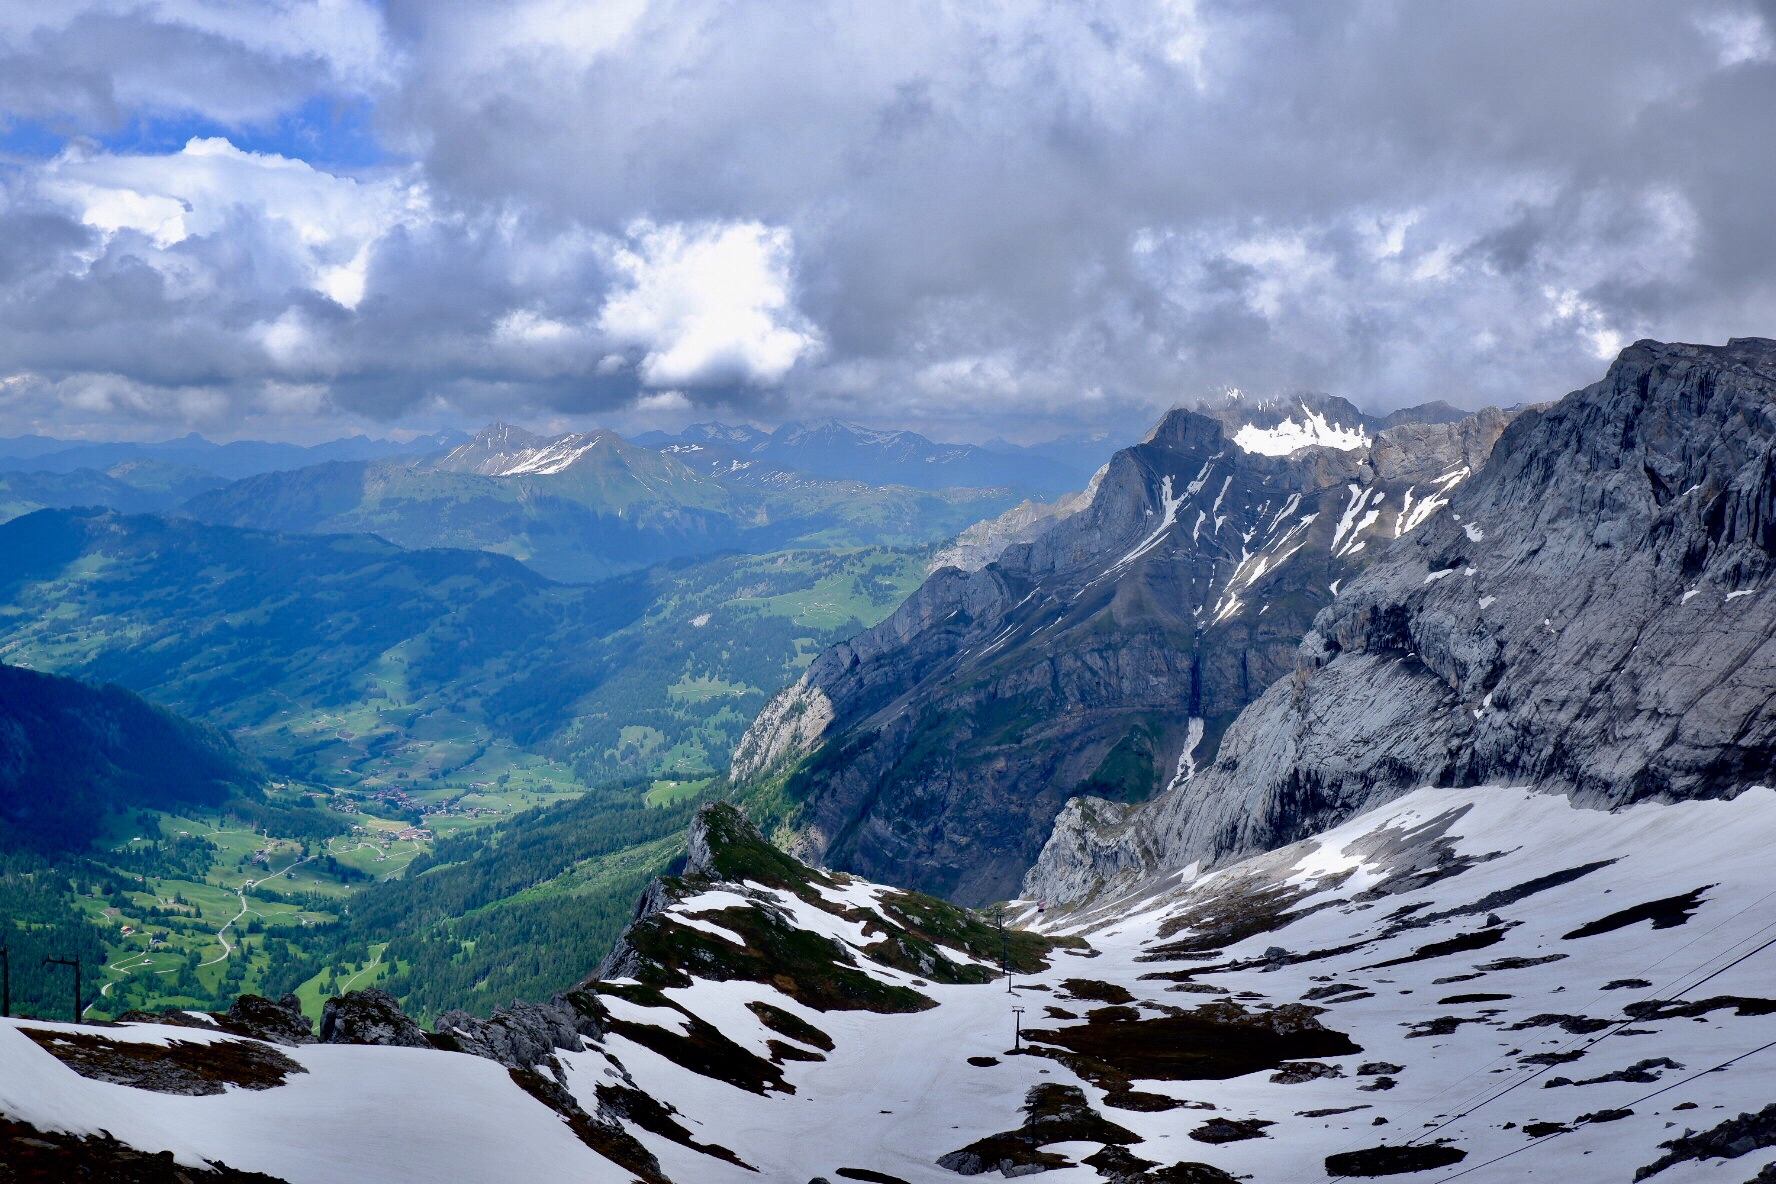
{"x":1027,"y":214}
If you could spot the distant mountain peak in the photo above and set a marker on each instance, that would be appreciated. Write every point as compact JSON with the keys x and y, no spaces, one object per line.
{"x":833,"y":426}
{"x":500,"y":432}
{"x":713,"y":431}
{"x":502,"y":450}
{"x":840,"y":449}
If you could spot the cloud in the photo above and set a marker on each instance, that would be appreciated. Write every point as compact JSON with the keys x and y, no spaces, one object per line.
{"x":997,"y":209}
{"x":1026,"y":215}
{"x":326,"y":224}
{"x":663,"y":402}
{"x":708,"y":304}
{"x":97,"y":64}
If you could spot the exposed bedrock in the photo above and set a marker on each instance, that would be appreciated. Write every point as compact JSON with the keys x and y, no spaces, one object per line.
{"x":1591,"y":614}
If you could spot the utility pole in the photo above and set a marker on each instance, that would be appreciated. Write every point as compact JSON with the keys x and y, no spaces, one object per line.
{"x":75,"y":963}
{"x":5,"y":981}
{"x":1017,"y":1028}
{"x":1004,"y":943}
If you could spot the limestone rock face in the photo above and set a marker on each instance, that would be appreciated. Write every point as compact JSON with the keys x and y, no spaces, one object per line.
{"x":1591,"y":614}
{"x":1107,"y":654}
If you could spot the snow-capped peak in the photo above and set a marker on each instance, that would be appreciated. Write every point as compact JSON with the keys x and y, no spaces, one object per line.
{"x":1314,"y":431}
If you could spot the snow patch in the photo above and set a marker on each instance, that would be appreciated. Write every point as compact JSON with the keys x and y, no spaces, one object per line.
{"x":1186,"y":768}
{"x":1313,"y":432}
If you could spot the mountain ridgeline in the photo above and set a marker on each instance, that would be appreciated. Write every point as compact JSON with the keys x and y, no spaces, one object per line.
{"x":1329,"y":714}
{"x":586,"y":506}
{"x":1592,"y":614}
{"x":838,"y":450}
{"x":1107,"y":654}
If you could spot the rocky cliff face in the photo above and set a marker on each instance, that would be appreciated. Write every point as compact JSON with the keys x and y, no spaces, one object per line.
{"x":1104,"y":656}
{"x":1592,"y":614}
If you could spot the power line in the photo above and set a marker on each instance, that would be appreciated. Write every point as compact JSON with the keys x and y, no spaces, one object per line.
{"x":1655,"y":996}
{"x":1592,"y":1043}
{"x":1629,"y":1106}
{"x":1596,"y":995}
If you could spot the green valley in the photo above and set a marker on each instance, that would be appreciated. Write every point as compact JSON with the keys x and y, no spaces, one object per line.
{"x":461,"y":758}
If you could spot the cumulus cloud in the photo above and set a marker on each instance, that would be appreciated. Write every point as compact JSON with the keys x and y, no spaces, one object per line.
{"x":707,"y":304}
{"x":327,"y":224}
{"x":988,"y":217}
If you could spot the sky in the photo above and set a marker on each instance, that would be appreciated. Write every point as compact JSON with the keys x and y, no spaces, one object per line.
{"x":302,"y":218}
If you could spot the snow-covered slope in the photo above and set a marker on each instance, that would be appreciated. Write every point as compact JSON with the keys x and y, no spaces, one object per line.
{"x":1467,"y":974}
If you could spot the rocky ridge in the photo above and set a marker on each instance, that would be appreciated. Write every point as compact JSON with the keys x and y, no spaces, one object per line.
{"x":1106,"y":654}
{"x":1592,"y":614}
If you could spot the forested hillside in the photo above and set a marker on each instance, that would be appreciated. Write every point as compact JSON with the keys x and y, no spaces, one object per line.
{"x":72,"y":753}
{"x":92,"y":867}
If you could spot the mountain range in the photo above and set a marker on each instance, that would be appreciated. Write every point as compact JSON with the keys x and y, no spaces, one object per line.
{"x":578,"y":506}
{"x":838,"y":449}
{"x":1309,"y":742}
{"x":1104,"y":649}
{"x":239,"y":458}
{"x":586,"y":506}
{"x":1590,"y":616}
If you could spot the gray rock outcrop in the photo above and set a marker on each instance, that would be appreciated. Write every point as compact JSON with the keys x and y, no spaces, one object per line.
{"x":1592,"y":614}
{"x":278,"y":1020}
{"x":526,"y":1035}
{"x":1106,"y":655}
{"x":370,"y":1016}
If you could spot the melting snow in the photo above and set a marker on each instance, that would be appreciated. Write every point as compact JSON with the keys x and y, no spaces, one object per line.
{"x":898,"y":1091}
{"x":1289,"y":436}
{"x":1216,"y":513}
{"x":1187,"y":758}
{"x":1412,"y":517}
{"x":556,"y":458}
{"x":1169,"y":505}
